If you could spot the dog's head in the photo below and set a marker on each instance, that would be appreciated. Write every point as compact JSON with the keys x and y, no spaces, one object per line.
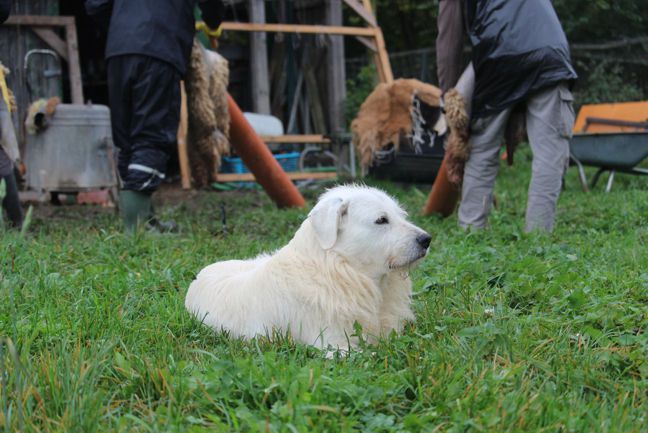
{"x":367,"y":226}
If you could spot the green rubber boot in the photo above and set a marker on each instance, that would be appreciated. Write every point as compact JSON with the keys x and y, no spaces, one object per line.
{"x":135,"y":209}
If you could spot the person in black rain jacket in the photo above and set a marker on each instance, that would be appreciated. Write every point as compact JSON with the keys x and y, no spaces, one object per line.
{"x":147,"y":51}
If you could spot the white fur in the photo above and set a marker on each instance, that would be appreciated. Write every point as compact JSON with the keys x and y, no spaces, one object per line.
{"x":339,"y":268}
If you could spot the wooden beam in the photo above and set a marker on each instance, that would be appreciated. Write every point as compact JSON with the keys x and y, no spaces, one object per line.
{"x":369,"y":43}
{"x":39,"y":20}
{"x":296,"y":139}
{"x":296,"y":175}
{"x":368,"y":7}
{"x":259,"y":60}
{"x":336,"y":71}
{"x":360,"y":10}
{"x":298,"y":28}
{"x":379,"y":67}
{"x":74,"y":66}
{"x":383,"y":57}
{"x":53,"y":40}
{"x":183,"y":156}
{"x":314,"y":100}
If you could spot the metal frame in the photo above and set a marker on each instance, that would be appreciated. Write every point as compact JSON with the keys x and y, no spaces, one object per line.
{"x":608,"y":187}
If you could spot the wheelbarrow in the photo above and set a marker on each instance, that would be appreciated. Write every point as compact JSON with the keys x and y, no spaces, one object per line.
{"x":612,"y":152}
{"x":612,"y":137}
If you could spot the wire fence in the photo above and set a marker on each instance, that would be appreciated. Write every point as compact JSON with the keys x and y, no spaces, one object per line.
{"x":630,"y":55}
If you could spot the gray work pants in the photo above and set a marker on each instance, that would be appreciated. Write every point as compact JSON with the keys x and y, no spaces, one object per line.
{"x":549,"y":122}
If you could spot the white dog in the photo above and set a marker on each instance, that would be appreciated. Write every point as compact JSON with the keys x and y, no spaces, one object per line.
{"x":347,"y":263}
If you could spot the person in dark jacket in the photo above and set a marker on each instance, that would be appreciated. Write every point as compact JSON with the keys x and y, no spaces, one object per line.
{"x":5,"y":8}
{"x":520,"y":55}
{"x":10,"y":202}
{"x":147,"y":51}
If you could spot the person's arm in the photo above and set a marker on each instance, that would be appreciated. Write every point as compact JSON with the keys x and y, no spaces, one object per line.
{"x":449,"y":43}
{"x":100,"y":11}
{"x":5,"y":8}
{"x":213,"y":12}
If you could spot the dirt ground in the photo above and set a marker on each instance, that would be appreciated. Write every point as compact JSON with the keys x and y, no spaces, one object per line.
{"x":169,"y":195}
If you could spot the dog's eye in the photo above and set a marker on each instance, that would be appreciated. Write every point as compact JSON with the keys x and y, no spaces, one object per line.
{"x":382,"y":220}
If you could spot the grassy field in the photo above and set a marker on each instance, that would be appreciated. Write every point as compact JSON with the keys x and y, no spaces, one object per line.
{"x":514,"y":332}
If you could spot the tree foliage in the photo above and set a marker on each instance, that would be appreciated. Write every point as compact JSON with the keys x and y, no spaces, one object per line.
{"x":615,"y":74}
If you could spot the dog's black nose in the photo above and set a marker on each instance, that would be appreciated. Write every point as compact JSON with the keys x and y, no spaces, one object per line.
{"x":424,"y":240}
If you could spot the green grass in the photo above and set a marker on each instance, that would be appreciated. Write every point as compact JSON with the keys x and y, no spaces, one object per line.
{"x":513,"y":332}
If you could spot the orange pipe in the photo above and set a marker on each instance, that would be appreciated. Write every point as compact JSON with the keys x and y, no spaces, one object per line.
{"x":444,"y":195}
{"x":258,"y":158}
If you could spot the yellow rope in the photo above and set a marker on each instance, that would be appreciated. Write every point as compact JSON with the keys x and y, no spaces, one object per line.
{"x":201,"y":26}
{"x":5,"y":90}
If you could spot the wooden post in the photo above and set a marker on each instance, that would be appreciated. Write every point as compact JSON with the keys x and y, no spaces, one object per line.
{"x":259,"y":60}
{"x":368,"y":7}
{"x":383,"y":58}
{"x":335,"y":71}
{"x":183,"y":157}
{"x":362,"y":11}
{"x":76,"y":86}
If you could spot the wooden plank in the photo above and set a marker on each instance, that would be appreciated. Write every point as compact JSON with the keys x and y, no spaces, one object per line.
{"x":379,"y":68}
{"x":74,"y":66}
{"x":314,"y":101}
{"x":259,"y":60}
{"x":53,"y":40}
{"x":296,"y":139}
{"x":183,"y":156}
{"x":298,"y":28}
{"x":336,"y":71}
{"x":383,"y":56}
{"x":297,"y":175}
{"x":39,"y":20}
{"x":369,"y":43}
{"x":368,"y":7}
{"x":364,"y":13}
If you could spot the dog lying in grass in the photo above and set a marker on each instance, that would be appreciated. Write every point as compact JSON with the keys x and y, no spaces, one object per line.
{"x":347,"y":263}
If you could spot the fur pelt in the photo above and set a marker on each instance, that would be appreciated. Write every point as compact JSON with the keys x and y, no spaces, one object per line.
{"x":208,"y":131}
{"x":458,"y":147}
{"x":386,"y":115}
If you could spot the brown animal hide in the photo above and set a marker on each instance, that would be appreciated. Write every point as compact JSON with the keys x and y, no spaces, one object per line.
{"x":458,"y":147}
{"x":208,"y":115}
{"x":385,"y":115}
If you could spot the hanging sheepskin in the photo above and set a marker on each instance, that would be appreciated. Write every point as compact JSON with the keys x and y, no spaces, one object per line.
{"x":208,"y":131}
{"x":386,"y":115}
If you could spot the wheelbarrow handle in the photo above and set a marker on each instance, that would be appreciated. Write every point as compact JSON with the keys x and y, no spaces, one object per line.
{"x":614,"y":122}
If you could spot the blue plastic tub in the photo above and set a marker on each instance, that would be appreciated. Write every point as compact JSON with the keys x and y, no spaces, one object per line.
{"x":288,"y":161}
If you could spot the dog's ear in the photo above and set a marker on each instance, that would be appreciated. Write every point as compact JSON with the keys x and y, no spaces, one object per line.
{"x":325,"y":219}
